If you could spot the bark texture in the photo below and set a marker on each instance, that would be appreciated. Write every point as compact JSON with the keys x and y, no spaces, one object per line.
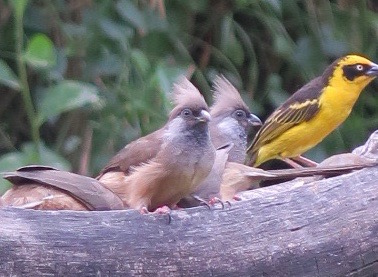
{"x":300,"y":228}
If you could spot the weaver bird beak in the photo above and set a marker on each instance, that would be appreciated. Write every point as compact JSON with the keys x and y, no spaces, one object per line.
{"x":373,"y":71}
{"x":204,"y":116}
{"x":254,"y":120}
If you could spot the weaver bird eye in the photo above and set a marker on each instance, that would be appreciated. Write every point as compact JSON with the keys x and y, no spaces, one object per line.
{"x":359,"y":67}
{"x":186,"y":112}
{"x":353,"y":71}
{"x":240,"y":113}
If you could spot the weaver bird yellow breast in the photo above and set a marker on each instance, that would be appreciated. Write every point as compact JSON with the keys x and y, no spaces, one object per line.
{"x":314,"y":111}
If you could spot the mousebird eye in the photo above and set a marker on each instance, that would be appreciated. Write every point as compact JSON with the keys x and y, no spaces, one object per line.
{"x":240,"y":113}
{"x":186,"y":112}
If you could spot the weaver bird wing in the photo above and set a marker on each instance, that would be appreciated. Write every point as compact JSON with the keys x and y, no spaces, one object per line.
{"x":300,"y":107}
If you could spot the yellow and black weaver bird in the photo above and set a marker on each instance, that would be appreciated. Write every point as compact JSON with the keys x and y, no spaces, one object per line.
{"x":312,"y":112}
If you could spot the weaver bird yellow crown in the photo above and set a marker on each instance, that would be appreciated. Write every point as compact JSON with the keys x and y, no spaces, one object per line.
{"x":313,"y":111}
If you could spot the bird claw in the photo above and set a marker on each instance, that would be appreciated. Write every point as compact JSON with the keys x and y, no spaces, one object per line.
{"x":215,"y":200}
{"x":144,"y":210}
{"x":237,"y":198}
{"x":204,"y":203}
{"x":164,"y":210}
{"x":211,"y":202}
{"x":296,"y":162}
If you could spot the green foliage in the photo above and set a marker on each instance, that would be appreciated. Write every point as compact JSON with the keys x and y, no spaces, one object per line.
{"x":7,"y":77}
{"x":99,"y":73}
{"x":40,"y":52}
{"x":66,"y":96}
{"x":19,"y":7}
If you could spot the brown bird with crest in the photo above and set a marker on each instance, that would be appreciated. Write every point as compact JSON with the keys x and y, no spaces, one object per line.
{"x":153,"y":171}
{"x":168,"y":164}
{"x":231,"y":121}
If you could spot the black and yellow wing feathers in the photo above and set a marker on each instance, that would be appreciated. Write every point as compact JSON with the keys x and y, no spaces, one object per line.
{"x":300,"y":107}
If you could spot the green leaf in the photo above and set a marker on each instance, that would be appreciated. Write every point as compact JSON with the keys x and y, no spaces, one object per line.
{"x":9,"y":162}
{"x":40,"y":52}
{"x":155,"y":43}
{"x":235,"y":51}
{"x":12,"y":161}
{"x":7,"y":76}
{"x":48,"y":156}
{"x":282,"y":46}
{"x":115,"y":30}
{"x":140,"y":60}
{"x":132,"y":14}
{"x":27,"y":156}
{"x":66,"y":96}
{"x":276,"y":94}
{"x":166,"y":75}
{"x":19,"y":7}
{"x":230,"y":44}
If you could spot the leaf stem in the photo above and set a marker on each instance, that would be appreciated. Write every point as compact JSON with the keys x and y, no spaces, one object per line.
{"x":25,"y":90}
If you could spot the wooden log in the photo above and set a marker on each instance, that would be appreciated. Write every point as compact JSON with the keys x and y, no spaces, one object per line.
{"x":322,"y":228}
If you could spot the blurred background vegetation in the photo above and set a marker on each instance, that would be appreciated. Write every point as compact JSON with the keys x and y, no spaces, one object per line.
{"x":79,"y":79}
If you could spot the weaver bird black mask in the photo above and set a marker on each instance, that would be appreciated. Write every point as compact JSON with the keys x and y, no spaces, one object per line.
{"x":312,"y":112}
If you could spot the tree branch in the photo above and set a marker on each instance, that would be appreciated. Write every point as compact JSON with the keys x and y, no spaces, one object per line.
{"x":321,"y":228}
